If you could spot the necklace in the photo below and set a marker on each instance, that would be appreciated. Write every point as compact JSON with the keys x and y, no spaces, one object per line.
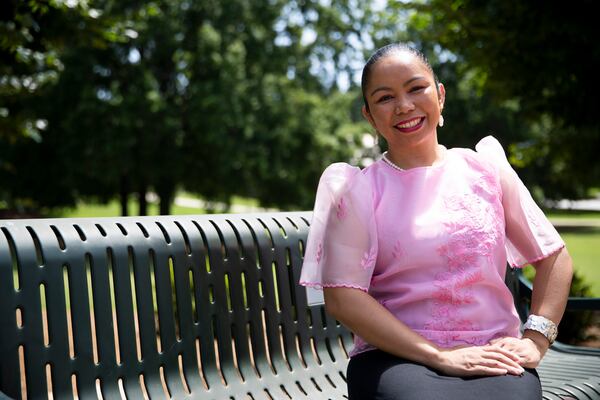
{"x":390,"y":163}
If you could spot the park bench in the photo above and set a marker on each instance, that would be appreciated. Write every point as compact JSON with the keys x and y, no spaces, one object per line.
{"x":205,"y":307}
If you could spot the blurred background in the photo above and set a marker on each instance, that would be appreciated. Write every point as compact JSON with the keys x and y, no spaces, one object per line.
{"x":145,"y":103}
{"x":135,"y":107}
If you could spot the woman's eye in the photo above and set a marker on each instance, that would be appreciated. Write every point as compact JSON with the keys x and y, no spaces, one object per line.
{"x":417,"y":88}
{"x":384,"y":98}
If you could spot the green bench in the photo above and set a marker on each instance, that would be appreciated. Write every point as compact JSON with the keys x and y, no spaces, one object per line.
{"x":204,"y":307}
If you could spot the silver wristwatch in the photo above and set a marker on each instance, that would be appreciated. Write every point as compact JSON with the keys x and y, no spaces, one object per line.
{"x":542,"y":325}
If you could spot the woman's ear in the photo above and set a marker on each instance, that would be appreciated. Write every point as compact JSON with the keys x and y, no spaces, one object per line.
{"x":442,"y":95}
{"x":368,"y":117}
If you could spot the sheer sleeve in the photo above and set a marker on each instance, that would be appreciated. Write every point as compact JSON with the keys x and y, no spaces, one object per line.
{"x":341,"y":248}
{"x":530,"y":235}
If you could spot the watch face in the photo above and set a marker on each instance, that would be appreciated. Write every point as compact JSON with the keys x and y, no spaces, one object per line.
{"x":543,"y":325}
{"x":549,"y":330}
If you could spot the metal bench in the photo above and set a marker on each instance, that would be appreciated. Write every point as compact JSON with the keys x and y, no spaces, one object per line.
{"x":203,"y":307}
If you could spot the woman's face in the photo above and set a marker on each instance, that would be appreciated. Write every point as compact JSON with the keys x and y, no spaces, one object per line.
{"x":404,"y":105}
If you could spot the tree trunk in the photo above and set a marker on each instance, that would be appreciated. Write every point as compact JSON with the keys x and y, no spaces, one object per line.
{"x":124,"y":196}
{"x":166,"y":198}
{"x":165,"y":189}
{"x":142,"y":201}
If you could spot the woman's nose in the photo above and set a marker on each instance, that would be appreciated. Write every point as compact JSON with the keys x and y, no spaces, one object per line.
{"x":404,"y":105}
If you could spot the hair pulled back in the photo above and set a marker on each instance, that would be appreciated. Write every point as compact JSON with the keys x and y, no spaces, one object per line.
{"x":385,"y":51}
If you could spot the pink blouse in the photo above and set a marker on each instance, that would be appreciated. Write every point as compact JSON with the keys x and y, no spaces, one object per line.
{"x":430,"y":243}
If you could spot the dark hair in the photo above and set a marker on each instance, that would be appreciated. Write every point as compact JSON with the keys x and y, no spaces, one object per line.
{"x":384,"y":52}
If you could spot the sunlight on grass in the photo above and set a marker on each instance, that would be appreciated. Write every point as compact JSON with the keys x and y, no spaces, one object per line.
{"x":584,"y":247}
{"x":245,"y":201}
{"x":113,"y":209}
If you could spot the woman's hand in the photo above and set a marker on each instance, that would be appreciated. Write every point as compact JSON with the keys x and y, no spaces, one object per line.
{"x":529,"y":351}
{"x":490,"y":359}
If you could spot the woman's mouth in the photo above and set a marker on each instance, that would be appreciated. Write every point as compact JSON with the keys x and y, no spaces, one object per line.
{"x":410,"y":125}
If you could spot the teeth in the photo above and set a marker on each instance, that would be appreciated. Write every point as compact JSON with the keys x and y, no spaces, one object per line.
{"x":410,"y":124}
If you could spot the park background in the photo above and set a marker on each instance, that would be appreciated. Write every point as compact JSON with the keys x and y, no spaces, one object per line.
{"x":185,"y":107}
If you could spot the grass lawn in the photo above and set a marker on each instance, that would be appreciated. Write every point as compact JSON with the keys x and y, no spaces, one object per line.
{"x":584,"y":247}
{"x":582,"y":242}
{"x":113,"y":209}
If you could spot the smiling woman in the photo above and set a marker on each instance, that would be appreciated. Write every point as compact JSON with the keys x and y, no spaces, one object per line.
{"x":411,"y":253}
{"x":403,"y":102}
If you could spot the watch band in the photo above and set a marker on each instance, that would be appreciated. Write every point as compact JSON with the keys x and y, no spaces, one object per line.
{"x":542,"y":325}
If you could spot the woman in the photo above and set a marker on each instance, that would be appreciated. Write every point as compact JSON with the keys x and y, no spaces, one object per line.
{"x":411,"y":253}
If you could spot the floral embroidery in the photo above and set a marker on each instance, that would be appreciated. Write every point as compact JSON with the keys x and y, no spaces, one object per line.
{"x":487,"y":185}
{"x":342,"y":209}
{"x":369,"y":258}
{"x":475,"y":227}
{"x":448,"y":338}
{"x":319,"y":252}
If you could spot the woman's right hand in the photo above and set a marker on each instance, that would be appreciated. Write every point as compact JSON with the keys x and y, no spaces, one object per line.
{"x":478,"y":360}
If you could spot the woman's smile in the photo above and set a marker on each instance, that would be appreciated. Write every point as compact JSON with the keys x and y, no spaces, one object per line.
{"x":410,"y":125}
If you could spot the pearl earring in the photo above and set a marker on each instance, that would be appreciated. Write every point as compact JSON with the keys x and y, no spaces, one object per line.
{"x":441,"y":121}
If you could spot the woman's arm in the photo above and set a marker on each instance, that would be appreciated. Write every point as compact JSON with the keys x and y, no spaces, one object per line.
{"x":363,"y":315}
{"x":550,"y":292}
{"x":549,"y":298}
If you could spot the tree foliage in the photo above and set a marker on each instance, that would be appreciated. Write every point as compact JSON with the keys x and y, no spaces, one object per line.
{"x":540,"y":59}
{"x":104,"y":98}
{"x":33,"y":37}
{"x":217,"y":98}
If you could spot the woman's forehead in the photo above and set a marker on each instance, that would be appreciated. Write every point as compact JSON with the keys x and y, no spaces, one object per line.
{"x":398,"y":65}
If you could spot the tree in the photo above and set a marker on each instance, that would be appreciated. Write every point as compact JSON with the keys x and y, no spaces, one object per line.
{"x":219,"y":98}
{"x":33,"y":36}
{"x":259,"y":124}
{"x":542,"y":59}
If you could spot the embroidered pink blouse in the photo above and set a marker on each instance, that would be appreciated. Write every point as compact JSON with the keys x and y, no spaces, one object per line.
{"x":430,"y":243}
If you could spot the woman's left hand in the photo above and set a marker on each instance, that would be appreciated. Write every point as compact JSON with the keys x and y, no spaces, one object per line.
{"x":529,"y":352}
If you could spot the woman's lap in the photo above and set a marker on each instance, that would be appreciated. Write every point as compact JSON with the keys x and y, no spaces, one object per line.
{"x":376,"y":375}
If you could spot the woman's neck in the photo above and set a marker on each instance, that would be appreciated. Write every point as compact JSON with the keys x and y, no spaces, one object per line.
{"x":422,"y":155}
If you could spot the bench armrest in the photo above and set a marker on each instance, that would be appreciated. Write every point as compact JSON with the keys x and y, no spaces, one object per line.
{"x":574,"y":303}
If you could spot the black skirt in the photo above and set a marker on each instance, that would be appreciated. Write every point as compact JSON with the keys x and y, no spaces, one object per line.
{"x":376,"y":375}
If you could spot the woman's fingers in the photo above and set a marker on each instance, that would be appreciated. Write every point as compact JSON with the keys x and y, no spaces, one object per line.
{"x":501,"y":358}
{"x":481,"y":360}
{"x":502,"y":350}
{"x":528,"y":355}
{"x":504,"y":364}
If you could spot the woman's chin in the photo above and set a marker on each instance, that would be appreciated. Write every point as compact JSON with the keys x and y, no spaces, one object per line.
{"x":417,"y":135}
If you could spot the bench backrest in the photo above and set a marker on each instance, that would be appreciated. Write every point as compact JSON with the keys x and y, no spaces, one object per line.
{"x":163,"y":306}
